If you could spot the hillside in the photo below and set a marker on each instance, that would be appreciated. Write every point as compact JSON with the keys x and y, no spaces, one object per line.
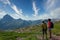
{"x":30,"y":33}
{"x":37,"y":28}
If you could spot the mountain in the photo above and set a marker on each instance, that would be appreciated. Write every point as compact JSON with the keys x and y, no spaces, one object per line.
{"x":8,"y":23}
{"x":7,"y":18}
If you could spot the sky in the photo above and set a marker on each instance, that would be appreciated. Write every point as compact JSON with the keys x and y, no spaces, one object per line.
{"x":30,"y":9}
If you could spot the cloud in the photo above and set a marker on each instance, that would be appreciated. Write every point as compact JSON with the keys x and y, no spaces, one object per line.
{"x":5,"y":1}
{"x":55,"y":13}
{"x":14,"y":7}
{"x":15,"y":16}
{"x":51,"y":10}
{"x":17,"y":11}
{"x":2,"y":13}
{"x":35,"y":9}
{"x":50,"y":5}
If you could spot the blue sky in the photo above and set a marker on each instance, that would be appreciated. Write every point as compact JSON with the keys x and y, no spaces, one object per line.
{"x":30,"y":9}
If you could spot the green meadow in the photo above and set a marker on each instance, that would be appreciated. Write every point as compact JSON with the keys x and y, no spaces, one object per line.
{"x":28,"y":33}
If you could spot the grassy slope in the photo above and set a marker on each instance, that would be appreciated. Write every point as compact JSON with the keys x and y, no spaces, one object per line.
{"x":29,"y":33}
{"x":56,"y":29}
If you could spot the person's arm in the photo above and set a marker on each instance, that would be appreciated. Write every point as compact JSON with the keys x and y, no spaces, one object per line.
{"x":47,"y":25}
{"x":41,"y":26}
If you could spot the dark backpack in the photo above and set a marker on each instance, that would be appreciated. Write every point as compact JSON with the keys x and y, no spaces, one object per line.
{"x":52,"y":25}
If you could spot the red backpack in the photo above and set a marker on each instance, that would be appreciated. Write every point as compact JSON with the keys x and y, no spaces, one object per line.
{"x":51,"y":25}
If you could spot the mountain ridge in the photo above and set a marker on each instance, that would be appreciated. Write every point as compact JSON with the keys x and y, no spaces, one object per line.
{"x":7,"y":22}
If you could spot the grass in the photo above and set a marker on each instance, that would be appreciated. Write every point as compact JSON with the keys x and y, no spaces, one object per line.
{"x":56,"y":29}
{"x":14,"y":35}
{"x":29,"y":33}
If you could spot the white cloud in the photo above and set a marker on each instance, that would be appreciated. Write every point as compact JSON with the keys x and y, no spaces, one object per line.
{"x":55,"y":13}
{"x":2,"y":13}
{"x":50,"y":5}
{"x":35,"y":9}
{"x":51,"y":11}
{"x":15,"y":16}
{"x":5,"y":1}
{"x":17,"y":11}
{"x":14,"y":7}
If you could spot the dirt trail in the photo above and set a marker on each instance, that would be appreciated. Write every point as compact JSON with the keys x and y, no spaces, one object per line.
{"x":54,"y":37}
{"x":18,"y":38}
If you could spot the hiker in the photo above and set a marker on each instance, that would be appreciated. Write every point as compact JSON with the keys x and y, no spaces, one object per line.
{"x":50,"y":26}
{"x":44,"y":29}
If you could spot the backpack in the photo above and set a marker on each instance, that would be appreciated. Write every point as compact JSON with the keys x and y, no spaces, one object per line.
{"x":52,"y":25}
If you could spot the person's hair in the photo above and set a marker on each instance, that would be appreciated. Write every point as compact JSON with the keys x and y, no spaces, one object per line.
{"x":43,"y":22}
{"x":49,"y":19}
